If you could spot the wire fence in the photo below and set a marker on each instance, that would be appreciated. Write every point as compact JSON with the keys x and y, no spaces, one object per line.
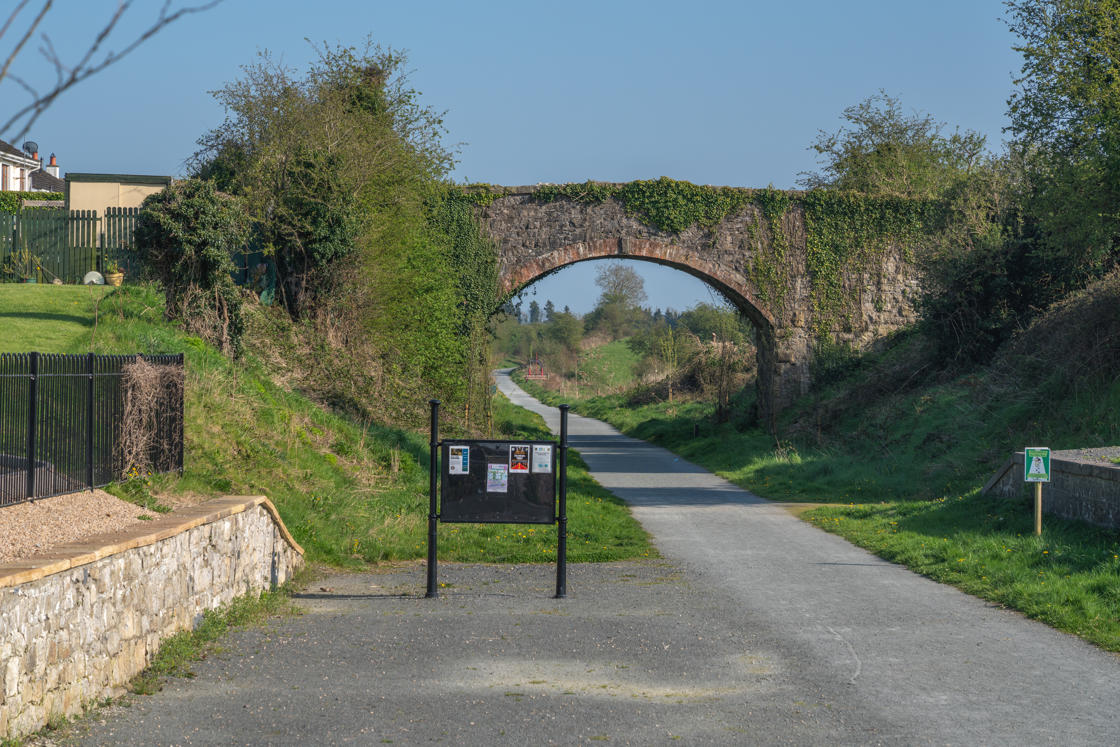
{"x":70,"y":422}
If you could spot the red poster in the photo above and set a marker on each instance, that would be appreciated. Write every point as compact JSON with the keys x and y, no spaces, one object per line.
{"x":519,"y":458}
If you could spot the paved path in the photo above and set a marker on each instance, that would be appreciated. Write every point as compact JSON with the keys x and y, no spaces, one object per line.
{"x":924,"y":661}
{"x":755,"y":628}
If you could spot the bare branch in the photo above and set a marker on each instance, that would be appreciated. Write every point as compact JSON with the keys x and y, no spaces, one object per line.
{"x":24,"y":85}
{"x":87,"y":65}
{"x":12,"y":17}
{"x":34,"y":25}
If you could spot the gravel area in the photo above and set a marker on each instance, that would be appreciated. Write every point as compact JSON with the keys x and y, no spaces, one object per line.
{"x":33,"y":528}
{"x":1101,"y":455}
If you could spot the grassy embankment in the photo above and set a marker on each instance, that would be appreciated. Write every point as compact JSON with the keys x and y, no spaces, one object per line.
{"x":349,"y":492}
{"x":606,"y":368}
{"x":601,"y":369}
{"x":903,"y":467}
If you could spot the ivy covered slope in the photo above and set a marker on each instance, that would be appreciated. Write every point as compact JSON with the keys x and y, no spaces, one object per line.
{"x":350,"y":491}
{"x":845,"y":231}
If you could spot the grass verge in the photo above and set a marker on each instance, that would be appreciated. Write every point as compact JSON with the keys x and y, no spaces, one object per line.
{"x":177,"y":652}
{"x":1069,"y":578}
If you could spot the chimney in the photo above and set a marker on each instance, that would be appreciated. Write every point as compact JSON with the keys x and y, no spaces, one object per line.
{"x":52,"y":167}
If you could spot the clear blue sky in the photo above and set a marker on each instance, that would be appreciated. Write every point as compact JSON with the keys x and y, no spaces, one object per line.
{"x":711,"y":92}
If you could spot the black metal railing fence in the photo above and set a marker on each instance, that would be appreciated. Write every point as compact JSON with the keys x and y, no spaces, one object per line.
{"x":63,"y":421}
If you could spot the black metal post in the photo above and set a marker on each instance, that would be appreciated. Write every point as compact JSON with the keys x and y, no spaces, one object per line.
{"x":32,"y":418}
{"x":562,"y":526}
{"x":433,"y":516}
{"x":89,"y":421}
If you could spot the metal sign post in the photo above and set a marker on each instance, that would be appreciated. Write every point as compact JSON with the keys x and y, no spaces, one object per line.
{"x":498,"y":482}
{"x":433,"y":514}
{"x":562,"y":520}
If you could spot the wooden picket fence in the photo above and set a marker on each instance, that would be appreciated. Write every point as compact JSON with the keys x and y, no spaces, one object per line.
{"x":40,"y":245}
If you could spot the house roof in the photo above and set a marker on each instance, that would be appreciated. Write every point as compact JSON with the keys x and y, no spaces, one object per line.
{"x":11,"y":150}
{"x":41,"y":180}
{"x":74,"y":176}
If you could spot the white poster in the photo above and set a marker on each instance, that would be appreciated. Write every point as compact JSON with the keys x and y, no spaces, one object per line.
{"x":458,"y":460}
{"x":497,"y":478}
{"x":542,"y":458}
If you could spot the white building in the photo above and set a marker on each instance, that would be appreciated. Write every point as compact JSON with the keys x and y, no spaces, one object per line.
{"x":25,"y":172}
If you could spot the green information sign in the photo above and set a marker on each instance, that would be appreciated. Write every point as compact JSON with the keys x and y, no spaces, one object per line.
{"x":1036,"y":464}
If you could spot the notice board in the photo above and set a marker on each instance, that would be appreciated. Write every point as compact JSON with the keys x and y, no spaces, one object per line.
{"x":498,"y":482}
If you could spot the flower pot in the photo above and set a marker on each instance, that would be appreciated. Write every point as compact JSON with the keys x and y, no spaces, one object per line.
{"x":114,"y":278}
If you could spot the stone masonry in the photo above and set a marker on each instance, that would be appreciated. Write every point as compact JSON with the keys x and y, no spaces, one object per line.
{"x":78,"y":625}
{"x":537,"y":238}
{"x":1084,"y":484}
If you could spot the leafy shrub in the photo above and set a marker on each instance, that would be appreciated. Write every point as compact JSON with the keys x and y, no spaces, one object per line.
{"x":9,"y":201}
{"x":187,"y":235}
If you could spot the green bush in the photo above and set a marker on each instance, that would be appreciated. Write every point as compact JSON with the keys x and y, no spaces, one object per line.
{"x":187,"y":235}
{"x":9,"y":201}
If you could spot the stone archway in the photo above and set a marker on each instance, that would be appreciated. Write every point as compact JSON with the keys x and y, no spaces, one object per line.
{"x":779,"y":375}
{"x":767,"y":279}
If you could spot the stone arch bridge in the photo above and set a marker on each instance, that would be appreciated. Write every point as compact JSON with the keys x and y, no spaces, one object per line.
{"x":757,"y":263}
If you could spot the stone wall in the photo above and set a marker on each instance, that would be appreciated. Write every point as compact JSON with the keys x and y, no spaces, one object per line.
{"x":1084,"y":489}
{"x":536,"y":238}
{"x":78,"y":624}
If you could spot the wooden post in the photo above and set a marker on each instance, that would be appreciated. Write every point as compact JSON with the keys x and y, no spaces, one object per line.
{"x":1038,"y":509}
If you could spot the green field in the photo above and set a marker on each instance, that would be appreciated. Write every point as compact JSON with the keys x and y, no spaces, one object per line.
{"x":607,"y":368}
{"x":48,"y":318}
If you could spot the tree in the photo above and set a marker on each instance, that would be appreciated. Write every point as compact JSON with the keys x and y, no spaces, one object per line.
{"x":884,"y":151}
{"x":620,"y":284}
{"x":1065,"y":117}
{"x":320,"y":158}
{"x":187,"y":235}
{"x":981,"y":279}
{"x":67,"y":74}
{"x":709,"y":323}
{"x":566,"y":330}
{"x":549,"y":311}
{"x":618,"y":312}
{"x":534,"y":312}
